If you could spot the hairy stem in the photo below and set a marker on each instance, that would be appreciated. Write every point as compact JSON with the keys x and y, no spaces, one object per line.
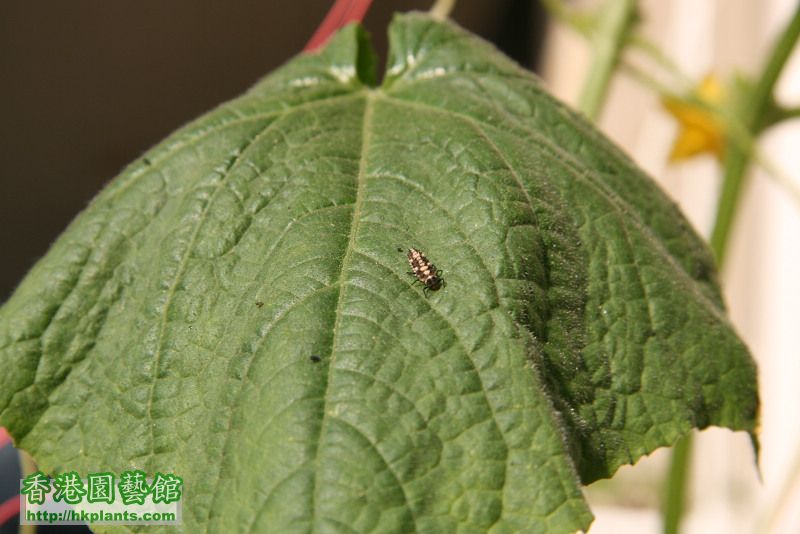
{"x":441,"y":9}
{"x":675,"y":498}
{"x":614,"y":22}
{"x":737,"y":160}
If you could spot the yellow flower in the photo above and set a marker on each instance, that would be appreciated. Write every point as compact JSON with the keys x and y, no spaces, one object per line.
{"x":700,"y":129}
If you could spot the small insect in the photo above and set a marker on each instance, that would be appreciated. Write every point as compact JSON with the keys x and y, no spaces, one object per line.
{"x":259,"y":303}
{"x":427,"y":274}
{"x":315,"y":358}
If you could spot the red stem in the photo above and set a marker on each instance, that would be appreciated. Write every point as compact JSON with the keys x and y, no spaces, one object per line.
{"x":9,"y":509}
{"x":342,"y":13}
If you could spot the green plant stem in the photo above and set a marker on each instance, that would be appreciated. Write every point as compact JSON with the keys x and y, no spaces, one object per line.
{"x":791,"y":113}
{"x":441,"y":9}
{"x":579,"y":21}
{"x":737,"y":158}
{"x":737,"y":161}
{"x":675,"y":498}
{"x":614,"y":22}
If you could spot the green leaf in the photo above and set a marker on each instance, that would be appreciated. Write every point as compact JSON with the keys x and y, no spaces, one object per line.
{"x":233,"y":308}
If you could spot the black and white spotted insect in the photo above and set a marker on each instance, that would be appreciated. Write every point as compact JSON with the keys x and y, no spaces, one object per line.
{"x":427,"y":274}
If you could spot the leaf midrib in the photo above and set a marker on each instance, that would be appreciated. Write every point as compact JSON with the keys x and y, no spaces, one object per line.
{"x":234,"y":161}
{"x":366,"y":137}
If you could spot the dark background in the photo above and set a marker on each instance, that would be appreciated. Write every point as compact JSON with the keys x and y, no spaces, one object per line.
{"x":86,"y":86}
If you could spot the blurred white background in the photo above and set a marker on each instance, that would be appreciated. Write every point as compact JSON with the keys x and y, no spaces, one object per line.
{"x":760,"y":278}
